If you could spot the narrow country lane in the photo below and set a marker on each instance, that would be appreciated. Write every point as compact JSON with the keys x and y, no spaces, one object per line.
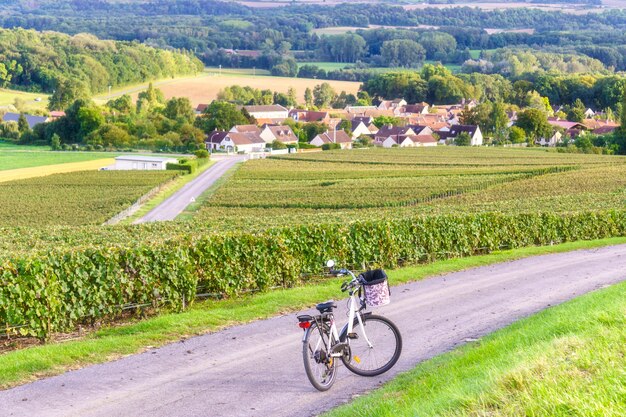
{"x":256,"y":369}
{"x":174,"y":205}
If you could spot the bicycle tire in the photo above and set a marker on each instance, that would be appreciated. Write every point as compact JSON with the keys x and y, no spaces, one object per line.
{"x":387,"y":344}
{"x":321,"y":370}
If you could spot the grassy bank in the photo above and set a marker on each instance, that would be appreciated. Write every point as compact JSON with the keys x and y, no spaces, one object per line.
{"x":20,"y":366}
{"x":569,"y":360}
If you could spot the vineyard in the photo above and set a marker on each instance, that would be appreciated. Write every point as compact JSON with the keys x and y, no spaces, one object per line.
{"x":78,"y":198}
{"x":279,"y":218}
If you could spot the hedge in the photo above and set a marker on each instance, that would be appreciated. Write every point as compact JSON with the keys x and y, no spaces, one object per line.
{"x":58,"y":290}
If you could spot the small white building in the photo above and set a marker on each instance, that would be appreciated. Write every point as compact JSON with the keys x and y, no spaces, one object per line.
{"x":145,"y":163}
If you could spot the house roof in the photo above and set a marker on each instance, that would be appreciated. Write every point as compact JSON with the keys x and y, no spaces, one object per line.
{"x":565,"y":124}
{"x":246,"y":129}
{"x":423,"y":138}
{"x":338,"y":136}
{"x":57,"y":113}
{"x":32,"y":120}
{"x":418,"y":128}
{"x":388,"y":130}
{"x":415,"y":108}
{"x":201,"y":107}
{"x":307,"y":115}
{"x":282,"y":133}
{"x":456,"y":130}
{"x":265,"y":108}
{"x":245,"y":138}
{"x":603,"y":130}
{"x":216,"y":136}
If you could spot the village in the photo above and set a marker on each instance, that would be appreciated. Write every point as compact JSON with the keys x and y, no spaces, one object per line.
{"x":390,"y":124}
{"x":416,"y":125}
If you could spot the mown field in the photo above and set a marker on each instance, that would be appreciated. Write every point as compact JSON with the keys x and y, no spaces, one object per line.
{"x":204,"y":88}
{"x":8,"y":97}
{"x":73,"y":199}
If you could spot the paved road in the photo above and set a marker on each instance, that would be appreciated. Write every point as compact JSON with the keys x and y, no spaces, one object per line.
{"x":173,"y":206}
{"x":256,"y":369}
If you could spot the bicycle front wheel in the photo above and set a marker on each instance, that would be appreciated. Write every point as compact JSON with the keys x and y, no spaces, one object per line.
{"x":374,"y":348}
{"x":320,"y":367}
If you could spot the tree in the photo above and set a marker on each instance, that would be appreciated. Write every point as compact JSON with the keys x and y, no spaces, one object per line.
{"x":55,"y":142}
{"x":517,"y":135}
{"x":323,"y":95}
{"x":498,"y":121}
{"x":535,"y":124}
{"x":149,"y":99}
{"x":90,"y":118}
{"x":67,"y":92}
{"x":463,"y":139}
{"x":220,"y":116}
{"x":22,"y":124}
{"x":308,"y":97}
{"x":403,"y":53}
{"x":381,"y":121}
{"x":179,"y":109}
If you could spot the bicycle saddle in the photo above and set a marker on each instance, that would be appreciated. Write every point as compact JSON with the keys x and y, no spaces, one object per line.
{"x":326,"y":307}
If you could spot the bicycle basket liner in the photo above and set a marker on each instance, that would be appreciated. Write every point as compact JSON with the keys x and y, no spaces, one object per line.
{"x":376,"y":288}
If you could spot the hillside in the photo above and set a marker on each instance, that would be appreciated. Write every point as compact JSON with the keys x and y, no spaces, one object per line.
{"x":82,"y":65}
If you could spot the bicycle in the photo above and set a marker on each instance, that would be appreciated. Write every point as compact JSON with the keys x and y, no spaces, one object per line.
{"x":368,"y":344}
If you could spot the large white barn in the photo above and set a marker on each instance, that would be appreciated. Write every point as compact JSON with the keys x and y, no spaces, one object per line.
{"x":137,"y":162}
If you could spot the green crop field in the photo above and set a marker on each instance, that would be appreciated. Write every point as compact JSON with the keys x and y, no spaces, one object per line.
{"x":398,"y":183}
{"x":78,"y":198}
{"x":278,"y":218}
{"x":18,"y":156}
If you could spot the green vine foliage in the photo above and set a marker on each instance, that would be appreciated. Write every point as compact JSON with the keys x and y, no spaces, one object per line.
{"x":59,"y":290}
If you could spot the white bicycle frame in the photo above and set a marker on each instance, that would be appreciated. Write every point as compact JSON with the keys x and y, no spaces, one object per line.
{"x":353,"y":311}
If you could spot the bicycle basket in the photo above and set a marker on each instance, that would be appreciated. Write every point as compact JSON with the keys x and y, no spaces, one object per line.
{"x":376,"y":288}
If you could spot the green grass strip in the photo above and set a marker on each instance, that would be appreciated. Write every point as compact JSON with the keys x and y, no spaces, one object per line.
{"x":21,"y":366}
{"x":568,"y":360}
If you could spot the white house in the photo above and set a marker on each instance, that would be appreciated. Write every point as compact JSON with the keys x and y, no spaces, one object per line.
{"x":362,"y":126}
{"x":400,"y":141}
{"x":136,"y":162}
{"x":552,"y":141}
{"x":476,"y":136}
{"x":235,"y":142}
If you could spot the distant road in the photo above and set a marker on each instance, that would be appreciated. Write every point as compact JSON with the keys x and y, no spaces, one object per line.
{"x":173,"y":206}
{"x":256,"y":369}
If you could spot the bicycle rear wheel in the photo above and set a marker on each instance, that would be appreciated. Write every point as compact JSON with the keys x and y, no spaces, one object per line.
{"x":385,"y":349}
{"x":320,"y":367}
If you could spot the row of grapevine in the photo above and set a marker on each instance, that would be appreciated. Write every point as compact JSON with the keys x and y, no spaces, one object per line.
{"x":54,"y":291}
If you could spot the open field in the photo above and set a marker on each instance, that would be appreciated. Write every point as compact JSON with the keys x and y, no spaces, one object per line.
{"x":14,"y":157}
{"x":77,"y":198}
{"x":204,"y":88}
{"x":7,"y":97}
{"x":46,"y":168}
{"x":568,"y":360}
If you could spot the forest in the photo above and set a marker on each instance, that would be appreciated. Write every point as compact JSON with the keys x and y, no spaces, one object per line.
{"x":82,"y":65}
{"x":210,"y":28}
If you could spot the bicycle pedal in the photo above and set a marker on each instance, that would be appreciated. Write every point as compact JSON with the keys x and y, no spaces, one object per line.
{"x":353,"y":335}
